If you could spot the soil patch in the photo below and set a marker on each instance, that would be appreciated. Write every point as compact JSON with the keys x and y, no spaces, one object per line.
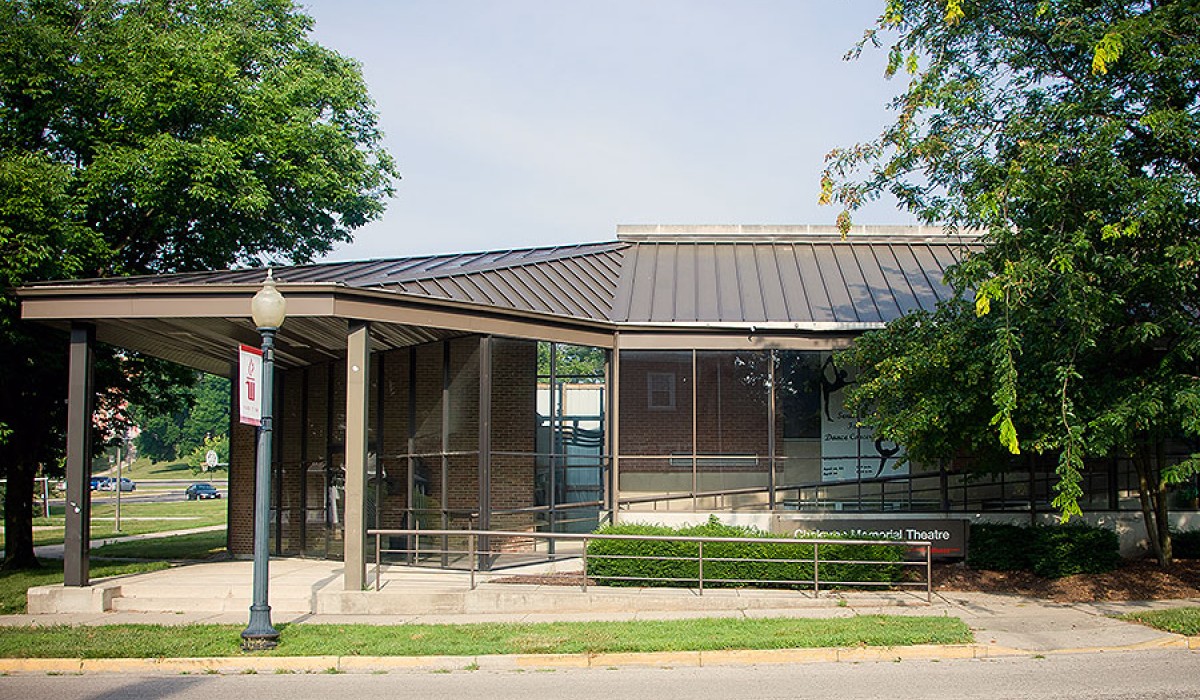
{"x":1132,"y":580}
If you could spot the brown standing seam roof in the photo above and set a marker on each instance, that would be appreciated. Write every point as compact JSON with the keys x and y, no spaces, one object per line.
{"x":654,"y":275}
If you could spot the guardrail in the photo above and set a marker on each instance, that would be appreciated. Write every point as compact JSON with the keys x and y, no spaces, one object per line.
{"x":474,"y":552}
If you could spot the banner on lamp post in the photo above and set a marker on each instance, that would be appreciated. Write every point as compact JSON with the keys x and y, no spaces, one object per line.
{"x":250,"y":367}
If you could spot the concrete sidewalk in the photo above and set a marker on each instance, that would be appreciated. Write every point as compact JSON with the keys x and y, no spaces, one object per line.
{"x":309,"y":592}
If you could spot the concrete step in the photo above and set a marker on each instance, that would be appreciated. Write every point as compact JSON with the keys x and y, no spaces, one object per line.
{"x":147,"y":597}
{"x":213,"y":605}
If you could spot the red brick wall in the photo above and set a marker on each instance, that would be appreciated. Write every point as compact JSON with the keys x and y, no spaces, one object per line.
{"x":242,"y":448}
{"x":305,"y":442}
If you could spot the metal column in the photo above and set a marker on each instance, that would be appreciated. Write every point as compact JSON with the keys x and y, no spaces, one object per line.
{"x":485,"y":446}
{"x":358,"y":382}
{"x":80,"y":397}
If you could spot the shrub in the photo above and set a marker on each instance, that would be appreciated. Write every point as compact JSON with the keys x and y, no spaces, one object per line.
{"x":1186,"y":544}
{"x":738,"y":563}
{"x":1051,"y":552}
{"x":1075,"y":549}
{"x":1000,"y":547}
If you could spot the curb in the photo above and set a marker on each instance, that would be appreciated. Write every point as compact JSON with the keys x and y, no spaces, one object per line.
{"x":519,"y":662}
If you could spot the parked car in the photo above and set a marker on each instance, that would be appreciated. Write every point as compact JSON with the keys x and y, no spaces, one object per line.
{"x":202,"y":491}
{"x":98,"y":482}
{"x":110,"y":484}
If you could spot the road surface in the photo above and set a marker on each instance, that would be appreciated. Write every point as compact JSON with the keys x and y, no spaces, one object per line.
{"x":1152,"y":675}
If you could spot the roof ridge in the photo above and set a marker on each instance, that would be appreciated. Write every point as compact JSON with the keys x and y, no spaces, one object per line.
{"x":581,"y":250}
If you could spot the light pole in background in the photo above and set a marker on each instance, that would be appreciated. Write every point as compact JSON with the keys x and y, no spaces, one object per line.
{"x":268,"y":308}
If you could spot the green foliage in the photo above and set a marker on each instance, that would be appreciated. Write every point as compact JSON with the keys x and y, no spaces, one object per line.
{"x":787,"y":565}
{"x":148,"y":136}
{"x":204,"y":414}
{"x":1067,"y":133}
{"x":1051,"y":552}
{"x":575,"y":363}
{"x":198,"y":459}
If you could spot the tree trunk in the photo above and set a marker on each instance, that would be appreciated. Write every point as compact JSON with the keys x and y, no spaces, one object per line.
{"x":18,"y":517}
{"x":1162,"y":512}
{"x":1147,"y":494}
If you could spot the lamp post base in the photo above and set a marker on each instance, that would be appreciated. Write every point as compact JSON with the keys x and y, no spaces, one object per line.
{"x":259,"y":635}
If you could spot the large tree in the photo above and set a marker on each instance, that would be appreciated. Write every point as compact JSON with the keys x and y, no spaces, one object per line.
{"x":1068,"y":131}
{"x":147,"y":136}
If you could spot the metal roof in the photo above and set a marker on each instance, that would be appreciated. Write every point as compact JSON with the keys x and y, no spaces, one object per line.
{"x":801,"y":277}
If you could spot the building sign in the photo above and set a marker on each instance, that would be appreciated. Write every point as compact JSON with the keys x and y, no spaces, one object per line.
{"x":250,"y":364}
{"x":849,"y":451}
{"x":948,"y":537}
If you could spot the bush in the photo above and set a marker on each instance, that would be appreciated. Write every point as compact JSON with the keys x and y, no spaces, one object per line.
{"x":737,"y":563}
{"x":1000,"y":547}
{"x":1186,"y":544}
{"x":1051,"y":552}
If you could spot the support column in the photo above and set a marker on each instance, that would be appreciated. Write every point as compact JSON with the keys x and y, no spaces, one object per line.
{"x":358,"y":382}
{"x":80,"y":394}
{"x":614,"y":429}
{"x":485,"y":432}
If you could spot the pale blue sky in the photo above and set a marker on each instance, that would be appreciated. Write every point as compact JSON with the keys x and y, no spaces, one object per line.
{"x":533,"y":122}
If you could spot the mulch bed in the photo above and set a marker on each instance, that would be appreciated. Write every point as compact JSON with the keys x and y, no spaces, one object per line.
{"x":1133,"y":580}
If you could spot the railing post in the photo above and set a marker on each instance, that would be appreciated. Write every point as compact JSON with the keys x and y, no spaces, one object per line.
{"x":377,"y":568}
{"x":929,"y":573}
{"x":701,"y":571}
{"x":816,"y":569}
{"x":471,"y":554}
{"x":585,"y":568}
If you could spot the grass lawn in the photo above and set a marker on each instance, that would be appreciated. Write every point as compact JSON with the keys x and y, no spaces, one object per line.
{"x":13,"y":584}
{"x":199,"y":545}
{"x":149,"y":641}
{"x":136,"y":519}
{"x":145,"y":470}
{"x":157,"y":552}
{"x":1180,"y":620}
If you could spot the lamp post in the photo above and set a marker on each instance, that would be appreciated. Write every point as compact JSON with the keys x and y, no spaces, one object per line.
{"x":268,"y":310}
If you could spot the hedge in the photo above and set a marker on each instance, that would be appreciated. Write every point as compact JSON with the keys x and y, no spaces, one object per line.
{"x":1186,"y":544}
{"x":1048,"y":551}
{"x":755,"y":561}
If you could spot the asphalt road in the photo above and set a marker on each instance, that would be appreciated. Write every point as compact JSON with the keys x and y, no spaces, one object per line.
{"x":1108,"y":676}
{"x":160,"y":491}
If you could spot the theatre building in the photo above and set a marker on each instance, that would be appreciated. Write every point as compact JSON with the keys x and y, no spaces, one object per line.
{"x":673,"y":373}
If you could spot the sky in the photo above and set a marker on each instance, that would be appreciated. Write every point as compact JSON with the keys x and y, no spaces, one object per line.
{"x":519,"y":123}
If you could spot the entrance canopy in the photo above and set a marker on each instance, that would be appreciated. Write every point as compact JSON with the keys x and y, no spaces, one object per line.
{"x":790,"y":285}
{"x":488,"y":387}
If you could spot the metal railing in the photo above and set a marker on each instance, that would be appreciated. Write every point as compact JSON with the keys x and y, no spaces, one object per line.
{"x":474,"y":553}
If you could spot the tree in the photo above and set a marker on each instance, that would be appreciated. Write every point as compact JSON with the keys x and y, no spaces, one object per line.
{"x":203,"y":414}
{"x":1068,"y":131}
{"x":148,"y":136}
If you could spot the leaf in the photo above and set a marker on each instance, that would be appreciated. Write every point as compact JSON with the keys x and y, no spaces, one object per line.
{"x":826,"y":196}
{"x":1107,"y":52}
{"x":1008,"y":436}
{"x":954,"y":11}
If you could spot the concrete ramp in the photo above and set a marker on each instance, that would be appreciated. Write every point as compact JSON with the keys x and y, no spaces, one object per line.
{"x":300,"y":586}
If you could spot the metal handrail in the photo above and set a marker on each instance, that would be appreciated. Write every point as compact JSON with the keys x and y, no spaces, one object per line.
{"x":473,"y":553}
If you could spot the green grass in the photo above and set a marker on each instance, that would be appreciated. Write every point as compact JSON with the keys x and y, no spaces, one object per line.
{"x":163,"y":517}
{"x":13,"y":584}
{"x":145,"y":470}
{"x":199,"y":545}
{"x":150,"y":641}
{"x":1179,"y":620}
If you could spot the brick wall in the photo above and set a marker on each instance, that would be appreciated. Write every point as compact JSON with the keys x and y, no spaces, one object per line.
{"x":310,"y":425}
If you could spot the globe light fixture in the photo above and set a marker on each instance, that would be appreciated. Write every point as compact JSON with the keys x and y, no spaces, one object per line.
{"x":268,"y":308}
